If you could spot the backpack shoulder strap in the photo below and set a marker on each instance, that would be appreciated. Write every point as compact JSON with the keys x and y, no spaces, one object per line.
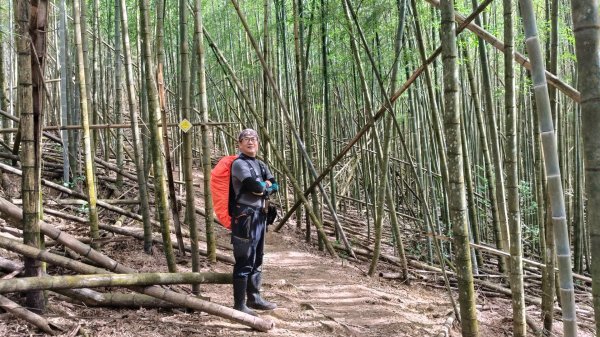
{"x":252,"y":171}
{"x":263,"y":171}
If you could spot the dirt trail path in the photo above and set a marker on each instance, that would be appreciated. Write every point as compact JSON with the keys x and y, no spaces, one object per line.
{"x":318,"y":296}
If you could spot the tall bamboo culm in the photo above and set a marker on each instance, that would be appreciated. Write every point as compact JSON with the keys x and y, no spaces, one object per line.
{"x":515,"y":266}
{"x":87,"y":144}
{"x":555,"y":189}
{"x":157,"y":160}
{"x":586,"y":26}
{"x":211,"y":240}
{"x":30,"y":183}
{"x":135,"y":131}
{"x":456,"y":192}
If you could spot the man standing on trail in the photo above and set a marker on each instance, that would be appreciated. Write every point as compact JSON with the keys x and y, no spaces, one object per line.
{"x":252,"y":183}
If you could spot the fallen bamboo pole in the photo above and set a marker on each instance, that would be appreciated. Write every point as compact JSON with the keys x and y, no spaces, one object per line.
{"x":50,"y":202}
{"x":91,"y":297}
{"x":8,"y":265}
{"x":110,"y":280}
{"x":58,"y":187}
{"x":137,"y":234}
{"x":187,"y":301}
{"x":94,"y":298}
{"x":106,"y":126}
{"x":25,"y":314}
{"x":12,"y":211}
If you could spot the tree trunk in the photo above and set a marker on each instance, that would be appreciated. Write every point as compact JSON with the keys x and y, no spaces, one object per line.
{"x":83,"y":102}
{"x":512,"y":179}
{"x":586,"y":25}
{"x":28,"y":106}
{"x":154,"y":111}
{"x":118,"y":112}
{"x":135,"y":132}
{"x":456,"y":193}
{"x":211,"y":243}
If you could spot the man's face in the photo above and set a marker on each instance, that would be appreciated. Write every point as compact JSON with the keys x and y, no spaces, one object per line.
{"x":249,"y":146}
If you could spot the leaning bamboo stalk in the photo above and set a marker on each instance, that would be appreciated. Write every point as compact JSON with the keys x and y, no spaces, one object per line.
{"x":59,"y":202}
{"x":110,"y":280}
{"x":155,"y":291}
{"x":58,"y":187}
{"x":350,"y":144}
{"x":519,"y":58}
{"x":290,"y":122}
{"x":25,"y":314}
{"x":223,"y":62}
{"x":157,"y":239}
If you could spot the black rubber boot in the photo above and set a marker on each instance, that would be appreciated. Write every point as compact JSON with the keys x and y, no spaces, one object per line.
{"x":239,"y":296}
{"x":255,"y":301}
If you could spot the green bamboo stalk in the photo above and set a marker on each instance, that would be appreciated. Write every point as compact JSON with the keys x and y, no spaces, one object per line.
{"x":512,"y":179}
{"x":456,"y":193}
{"x":83,"y":102}
{"x":496,"y":175}
{"x":3,"y":93}
{"x":154,"y":111}
{"x":93,"y":298}
{"x":135,"y":131}
{"x":118,"y":111}
{"x":64,"y":101}
{"x":211,"y":241}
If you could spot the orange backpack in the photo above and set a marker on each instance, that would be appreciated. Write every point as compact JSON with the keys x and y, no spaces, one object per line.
{"x":220,"y":187}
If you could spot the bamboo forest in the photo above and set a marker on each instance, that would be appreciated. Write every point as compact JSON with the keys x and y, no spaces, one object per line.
{"x":406,"y":168}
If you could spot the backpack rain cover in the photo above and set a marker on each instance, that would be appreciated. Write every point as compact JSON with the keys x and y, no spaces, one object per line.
{"x":220,"y":187}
